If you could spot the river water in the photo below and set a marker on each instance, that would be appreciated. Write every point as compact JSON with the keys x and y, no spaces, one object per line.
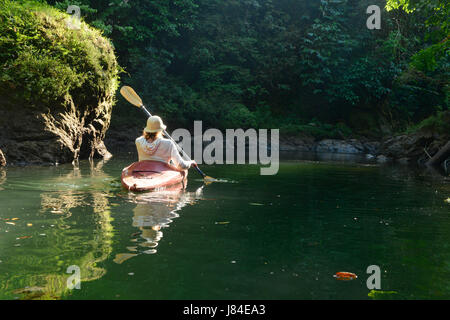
{"x":247,"y":237}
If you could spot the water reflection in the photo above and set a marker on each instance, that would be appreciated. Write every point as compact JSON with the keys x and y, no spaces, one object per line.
{"x":155,"y":211}
{"x":71,"y":227}
{"x":326,"y":157}
{"x":2,"y":177}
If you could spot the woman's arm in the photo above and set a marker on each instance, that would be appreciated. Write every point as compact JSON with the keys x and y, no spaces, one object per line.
{"x":178,"y":160}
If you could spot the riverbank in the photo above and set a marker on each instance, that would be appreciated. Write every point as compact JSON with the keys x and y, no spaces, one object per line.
{"x":403,"y":149}
{"x":413,"y":148}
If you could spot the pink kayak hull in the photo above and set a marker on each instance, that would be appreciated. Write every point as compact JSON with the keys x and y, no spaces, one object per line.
{"x":150,"y":176}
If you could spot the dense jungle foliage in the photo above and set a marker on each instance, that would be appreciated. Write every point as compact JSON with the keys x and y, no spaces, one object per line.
{"x":303,"y":66}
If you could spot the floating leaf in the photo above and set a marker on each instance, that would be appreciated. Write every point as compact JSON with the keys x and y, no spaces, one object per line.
{"x":447,"y":200}
{"x":223,"y":222}
{"x":29,"y":224}
{"x":24,"y":237}
{"x":15,"y":219}
{"x":255,"y":204}
{"x":378,"y":294}
{"x":121,"y":257}
{"x":11,"y":223}
{"x":345,"y":276}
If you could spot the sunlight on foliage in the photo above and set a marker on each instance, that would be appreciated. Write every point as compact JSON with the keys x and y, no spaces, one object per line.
{"x":44,"y":61}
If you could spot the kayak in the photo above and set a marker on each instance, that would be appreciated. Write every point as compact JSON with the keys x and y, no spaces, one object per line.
{"x":150,"y":176}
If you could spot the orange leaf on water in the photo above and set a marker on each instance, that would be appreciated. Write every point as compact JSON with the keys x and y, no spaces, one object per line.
{"x":25,"y":237}
{"x":345,"y":276}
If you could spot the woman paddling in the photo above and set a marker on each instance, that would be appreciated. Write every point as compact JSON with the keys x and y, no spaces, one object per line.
{"x":152,"y":146}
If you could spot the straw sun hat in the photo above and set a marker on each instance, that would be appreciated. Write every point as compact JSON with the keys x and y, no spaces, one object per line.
{"x":154,"y":124}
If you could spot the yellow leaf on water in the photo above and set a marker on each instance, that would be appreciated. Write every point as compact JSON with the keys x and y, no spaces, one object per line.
{"x":29,"y":224}
{"x":15,"y":219}
{"x":447,"y":200}
{"x":121,"y":257}
{"x":12,"y":223}
{"x":385,"y":295}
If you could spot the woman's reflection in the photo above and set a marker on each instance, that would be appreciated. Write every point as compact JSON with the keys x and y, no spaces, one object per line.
{"x":155,"y":211}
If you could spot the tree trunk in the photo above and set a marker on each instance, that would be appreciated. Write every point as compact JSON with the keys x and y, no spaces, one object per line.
{"x":440,"y":156}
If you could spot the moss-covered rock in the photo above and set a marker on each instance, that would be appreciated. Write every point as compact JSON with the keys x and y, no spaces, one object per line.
{"x":57,"y":85}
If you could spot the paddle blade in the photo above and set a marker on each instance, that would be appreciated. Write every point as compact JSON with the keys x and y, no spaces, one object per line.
{"x":131,"y":96}
{"x":209,"y":179}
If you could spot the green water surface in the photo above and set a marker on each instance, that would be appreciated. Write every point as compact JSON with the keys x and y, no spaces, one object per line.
{"x":249,"y":237}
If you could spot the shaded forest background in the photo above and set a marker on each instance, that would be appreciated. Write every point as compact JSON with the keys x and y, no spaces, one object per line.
{"x":306,"y":67}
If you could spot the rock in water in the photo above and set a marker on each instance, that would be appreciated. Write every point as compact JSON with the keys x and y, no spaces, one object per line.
{"x":58,"y":90}
{"x":339,"y":146}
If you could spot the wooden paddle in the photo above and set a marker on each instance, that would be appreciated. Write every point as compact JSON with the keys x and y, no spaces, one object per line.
{"x":132,"y":97}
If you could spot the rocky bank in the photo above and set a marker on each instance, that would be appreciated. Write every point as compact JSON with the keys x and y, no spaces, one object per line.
{"x":415,"y":148}
{"x":57,"y":86}
{"x":404,"y":149}
{"x":57,"y":135}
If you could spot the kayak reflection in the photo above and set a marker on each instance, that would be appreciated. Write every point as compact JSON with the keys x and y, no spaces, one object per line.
{"x":155,"y":211}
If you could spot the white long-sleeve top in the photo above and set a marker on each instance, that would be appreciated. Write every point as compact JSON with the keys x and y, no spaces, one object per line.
{"x":161,"y":149}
